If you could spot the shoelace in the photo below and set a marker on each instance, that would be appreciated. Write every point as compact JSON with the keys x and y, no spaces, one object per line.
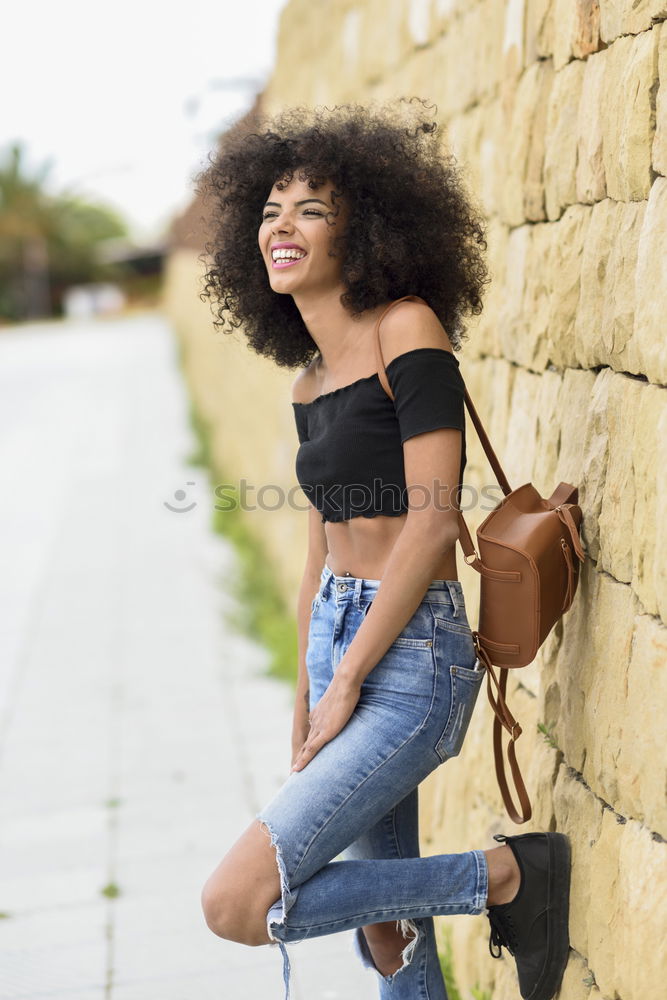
{"x":503,"y":931}
{"x":503,"y":934}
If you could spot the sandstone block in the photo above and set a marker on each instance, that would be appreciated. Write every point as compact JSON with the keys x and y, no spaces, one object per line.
{"x":523,"y":187}
{"x":628,"y":17}
{"x":540,"y":776}
{"x":490,"y":181}
{"x":465,"y":133}
{"x":590,"y":673}
{"x":590,"y":177}
{"x":526,"y":311}
{"x":560,"y":158}
{"x":551,"y":407}
{"x":534,"y":197}
{"x":606,"y":317}
{"x":574,"y":405}
{"x":481,"y":491}
{"x":603,"y":955}
{"x":540,"y":30}
{"x":636,"y":911}
{"x":565,"y":26}
{"x":520,"y":449}
{"x":647,"y":350}
{"x":563,"y":272}
{"x":513,"y":323}
{"x":628,"y":115}
{"x":648,"y":536}
{"x":619,"y":494}
{"x":605,"y":677}
{"x":579,"y":815}
{"x":586,"y":34}
{"x":641,"y":756}
{"x":485,"y":334}
{"x":595,"y":460}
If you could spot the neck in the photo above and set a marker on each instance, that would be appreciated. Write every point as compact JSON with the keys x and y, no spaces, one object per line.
{"x":336,"y":333}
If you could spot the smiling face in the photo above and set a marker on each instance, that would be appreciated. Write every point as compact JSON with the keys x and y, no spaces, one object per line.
{"x":295,"y":236}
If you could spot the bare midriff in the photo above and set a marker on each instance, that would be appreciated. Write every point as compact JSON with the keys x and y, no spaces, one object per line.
{"x":362,"y":547}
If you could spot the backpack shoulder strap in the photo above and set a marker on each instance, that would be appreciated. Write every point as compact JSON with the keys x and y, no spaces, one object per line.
{"x":378,"y":349}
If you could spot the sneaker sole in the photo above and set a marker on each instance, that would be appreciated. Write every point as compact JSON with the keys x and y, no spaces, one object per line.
{"x":559,"y":908}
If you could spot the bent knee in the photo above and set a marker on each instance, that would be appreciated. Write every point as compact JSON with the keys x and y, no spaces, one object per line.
{"x":228,"y":917}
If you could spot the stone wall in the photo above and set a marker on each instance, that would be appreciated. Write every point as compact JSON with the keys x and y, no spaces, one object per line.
{"x":557,"y":110}
{"x":558,"y":113}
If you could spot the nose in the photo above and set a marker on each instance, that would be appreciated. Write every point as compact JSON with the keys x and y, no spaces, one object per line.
{"x":282,"y":219}
{"x":281,"y":225}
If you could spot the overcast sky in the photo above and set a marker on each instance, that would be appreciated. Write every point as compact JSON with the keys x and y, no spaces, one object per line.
{"x":126,"y":98}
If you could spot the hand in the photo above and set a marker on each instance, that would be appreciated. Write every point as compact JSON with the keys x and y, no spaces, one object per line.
{"x":300,"y":723}
{"x":328,"y":717}
{"x":300,"y":732}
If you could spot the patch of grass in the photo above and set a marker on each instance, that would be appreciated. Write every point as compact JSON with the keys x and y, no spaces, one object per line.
{"x":547,"y":733}
{"x":110,"y":890}
{"x":201,"y":455}
{"x":4,"y":916}
{"x":113,"y":803}
{"x":479,"y":994}
{"x":262,"y":612}
{"x":446,"y":957}
{"x":447,"y":966}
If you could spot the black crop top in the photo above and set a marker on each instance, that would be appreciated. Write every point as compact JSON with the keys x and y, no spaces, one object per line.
{"x":350,"y":459}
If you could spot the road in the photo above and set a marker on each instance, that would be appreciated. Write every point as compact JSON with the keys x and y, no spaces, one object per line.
{"x":138,"y":733}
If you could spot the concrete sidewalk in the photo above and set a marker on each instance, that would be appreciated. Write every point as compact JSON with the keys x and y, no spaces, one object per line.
{"x":138,"y":737}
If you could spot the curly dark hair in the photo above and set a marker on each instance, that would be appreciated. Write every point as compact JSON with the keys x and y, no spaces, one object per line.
{"x":412,"y":227}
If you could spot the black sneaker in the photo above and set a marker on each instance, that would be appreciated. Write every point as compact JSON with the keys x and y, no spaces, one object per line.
{"x":534,"y":925}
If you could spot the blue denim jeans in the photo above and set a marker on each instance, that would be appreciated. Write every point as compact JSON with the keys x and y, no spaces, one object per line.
{"x":356,"y":801}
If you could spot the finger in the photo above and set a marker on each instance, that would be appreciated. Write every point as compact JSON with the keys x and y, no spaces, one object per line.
{"x":308,"y":751}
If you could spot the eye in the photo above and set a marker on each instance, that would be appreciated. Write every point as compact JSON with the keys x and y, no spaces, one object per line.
{"x":307,"y":211}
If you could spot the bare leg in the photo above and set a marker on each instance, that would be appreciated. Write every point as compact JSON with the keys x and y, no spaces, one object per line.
{"x":239,"y":892}
{"x":386,"y":944}
{"x":504,"y":875}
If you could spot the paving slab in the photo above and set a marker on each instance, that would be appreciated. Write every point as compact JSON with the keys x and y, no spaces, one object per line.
{"x":139,"y":735}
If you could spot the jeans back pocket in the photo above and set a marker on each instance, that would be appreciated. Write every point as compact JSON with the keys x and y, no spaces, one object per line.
{"x":456,"y":654}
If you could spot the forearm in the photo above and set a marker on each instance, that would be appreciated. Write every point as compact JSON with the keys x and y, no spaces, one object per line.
{"x":409,"y":571}
{"x":309,"y":586}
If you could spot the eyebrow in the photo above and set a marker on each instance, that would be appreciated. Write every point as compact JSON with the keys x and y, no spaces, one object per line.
{"x":277,"y":203}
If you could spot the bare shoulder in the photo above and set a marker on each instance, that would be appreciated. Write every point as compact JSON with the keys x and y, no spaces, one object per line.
{"x":410,"y":325}
{"x":304,"y":385}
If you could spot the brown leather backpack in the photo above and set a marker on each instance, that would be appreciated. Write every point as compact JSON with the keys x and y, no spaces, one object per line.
{"x":529,"y":553}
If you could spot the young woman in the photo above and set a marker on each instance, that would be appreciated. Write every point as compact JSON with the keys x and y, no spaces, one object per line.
{"x":322,"y":221}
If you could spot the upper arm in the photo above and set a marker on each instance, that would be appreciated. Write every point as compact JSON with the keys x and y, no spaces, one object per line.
{"x":409,"y":325}
{"x":432,"y":459}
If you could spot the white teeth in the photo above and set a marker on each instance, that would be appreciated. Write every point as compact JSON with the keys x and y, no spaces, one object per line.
{"x":288,"y":254}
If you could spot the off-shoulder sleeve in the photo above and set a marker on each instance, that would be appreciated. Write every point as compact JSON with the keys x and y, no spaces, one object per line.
{"x":428,"y":391}
{"x":301,"y":418}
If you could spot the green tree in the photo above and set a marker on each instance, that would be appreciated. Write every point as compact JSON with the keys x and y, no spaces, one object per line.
{"x":47,"y":242}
